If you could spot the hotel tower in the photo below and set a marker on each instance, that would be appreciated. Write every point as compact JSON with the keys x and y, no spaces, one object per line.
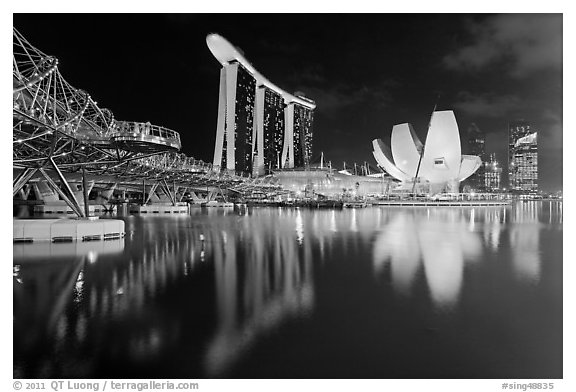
{"x":260,"y":127}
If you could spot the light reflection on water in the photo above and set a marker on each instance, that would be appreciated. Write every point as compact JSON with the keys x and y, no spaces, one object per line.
{"x":442,"y":240}
{"x":211,"y":294}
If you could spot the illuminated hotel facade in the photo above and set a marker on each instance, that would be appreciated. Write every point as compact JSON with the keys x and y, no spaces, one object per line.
{"x":522,"y":157}
{"x":260,"y":127}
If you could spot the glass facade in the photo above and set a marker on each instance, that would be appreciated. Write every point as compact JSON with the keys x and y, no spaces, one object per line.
{"x":492,"y":174}
{"x":303,"y":133}
{"x":257,"y":117}
{"x":244,"y":124}
{"x":476,"y":146}
{"x":522,"y":157}
{"x":273,"y":129}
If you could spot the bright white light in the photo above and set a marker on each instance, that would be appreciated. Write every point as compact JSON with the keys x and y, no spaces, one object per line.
{"x":92,"y":256}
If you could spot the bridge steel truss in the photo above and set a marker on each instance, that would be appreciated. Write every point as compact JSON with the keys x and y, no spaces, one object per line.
{"x":60,"y":130}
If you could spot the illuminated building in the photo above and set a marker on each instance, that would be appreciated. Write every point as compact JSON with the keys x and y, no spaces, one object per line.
{"x":476,"y":146}
{"x":522,"y":157}
{"x":435,"y":167}
{"x":273,"y":129}
{"x":492,"y":174}
{"x":303,"y":118}
{"x":260,"y":126}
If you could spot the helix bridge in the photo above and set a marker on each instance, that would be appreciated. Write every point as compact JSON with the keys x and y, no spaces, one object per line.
{"x":62,"y":136}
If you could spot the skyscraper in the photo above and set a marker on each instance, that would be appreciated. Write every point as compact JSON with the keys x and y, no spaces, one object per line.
{"x":260,"y":126}
{"x":522,"y":157}
{"x":303,"y":122}
{"x":235,"y":127}
{"x":299,"y":131}
{"x":244,"y":121}
{"x":476,"y":146}
{"x":492,"y":174}
{"x":273,"y":129}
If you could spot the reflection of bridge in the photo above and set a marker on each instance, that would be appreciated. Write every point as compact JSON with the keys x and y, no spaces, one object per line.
{"x":231,"y":282}
{"x":60,"y":130}
{"x":262,"y":277}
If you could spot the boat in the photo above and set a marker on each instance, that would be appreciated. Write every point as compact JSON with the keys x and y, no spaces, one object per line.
{"x":262,"y":203}
{"x":355,"y":204}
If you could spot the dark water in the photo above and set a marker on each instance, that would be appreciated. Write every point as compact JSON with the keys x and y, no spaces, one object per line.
{"x":287,"y":293}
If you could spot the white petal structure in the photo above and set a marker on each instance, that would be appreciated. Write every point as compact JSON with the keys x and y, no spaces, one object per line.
{"x":406,"y":148}
{"x":383,"y":156}
{"x":442,"y":165}
{"x":469,"y":164}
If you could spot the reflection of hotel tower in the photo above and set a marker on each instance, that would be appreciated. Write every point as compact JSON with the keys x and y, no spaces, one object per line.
{"x":522,"y":157}
{"x":258,"y":285}
{"x":260,"y":126}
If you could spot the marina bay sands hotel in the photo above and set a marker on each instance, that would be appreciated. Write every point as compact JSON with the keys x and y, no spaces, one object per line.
{"x":260,"y":127}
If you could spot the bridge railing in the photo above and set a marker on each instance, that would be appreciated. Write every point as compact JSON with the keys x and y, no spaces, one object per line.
{"x":175,"y":162}
{"x":49,"y":112}
{"x":131,"y":128}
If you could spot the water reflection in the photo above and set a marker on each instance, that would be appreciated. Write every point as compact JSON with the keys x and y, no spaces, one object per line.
{"x":494,"y":221}
{"x":45,"y":274}
{"x":48,"y":251}
{"x":442,"y":240}
{"x":196,"y":295}
{"x":263,"y":275}
{"x":525,"y":240}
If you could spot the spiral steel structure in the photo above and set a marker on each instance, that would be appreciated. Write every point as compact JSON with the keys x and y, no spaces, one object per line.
{"x":60,"y":128}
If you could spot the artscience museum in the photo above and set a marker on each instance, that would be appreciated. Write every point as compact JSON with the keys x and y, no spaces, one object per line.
{"x":434,"y":167}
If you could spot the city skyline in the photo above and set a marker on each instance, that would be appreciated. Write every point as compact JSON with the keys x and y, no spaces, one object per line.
{"x":371,"y":73}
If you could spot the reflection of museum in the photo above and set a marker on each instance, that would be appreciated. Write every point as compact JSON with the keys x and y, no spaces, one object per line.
{"x":249,"y":275}
{"x":442,"y":242}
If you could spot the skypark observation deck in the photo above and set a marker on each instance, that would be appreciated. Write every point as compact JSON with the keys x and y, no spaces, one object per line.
{"x":227,"y":53}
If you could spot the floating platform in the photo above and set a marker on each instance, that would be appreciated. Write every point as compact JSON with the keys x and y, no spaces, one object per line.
{"x":441,"y":203}
{"x":67,"y":230}
{"x":158,"y":209}
{"x":218,"y":204}
{"x":330,"y":204}
{"x":45,"y":250}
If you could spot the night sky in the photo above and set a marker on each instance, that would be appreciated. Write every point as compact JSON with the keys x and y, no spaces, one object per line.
{"x":366,"y":72}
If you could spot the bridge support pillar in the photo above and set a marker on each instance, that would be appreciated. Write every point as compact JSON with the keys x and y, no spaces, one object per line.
{"x":66,"y":194}
{"x":105,"y":195}
{"x":22,"y":179}
{"x":85,"y":192}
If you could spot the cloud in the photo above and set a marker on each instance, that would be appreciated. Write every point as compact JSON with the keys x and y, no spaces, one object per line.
{"x":523,"y":43}
{"x":313,"y":73}
{"x":551,"y":127}
{"x":488,"y":105}
{"x":333,"y":97}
